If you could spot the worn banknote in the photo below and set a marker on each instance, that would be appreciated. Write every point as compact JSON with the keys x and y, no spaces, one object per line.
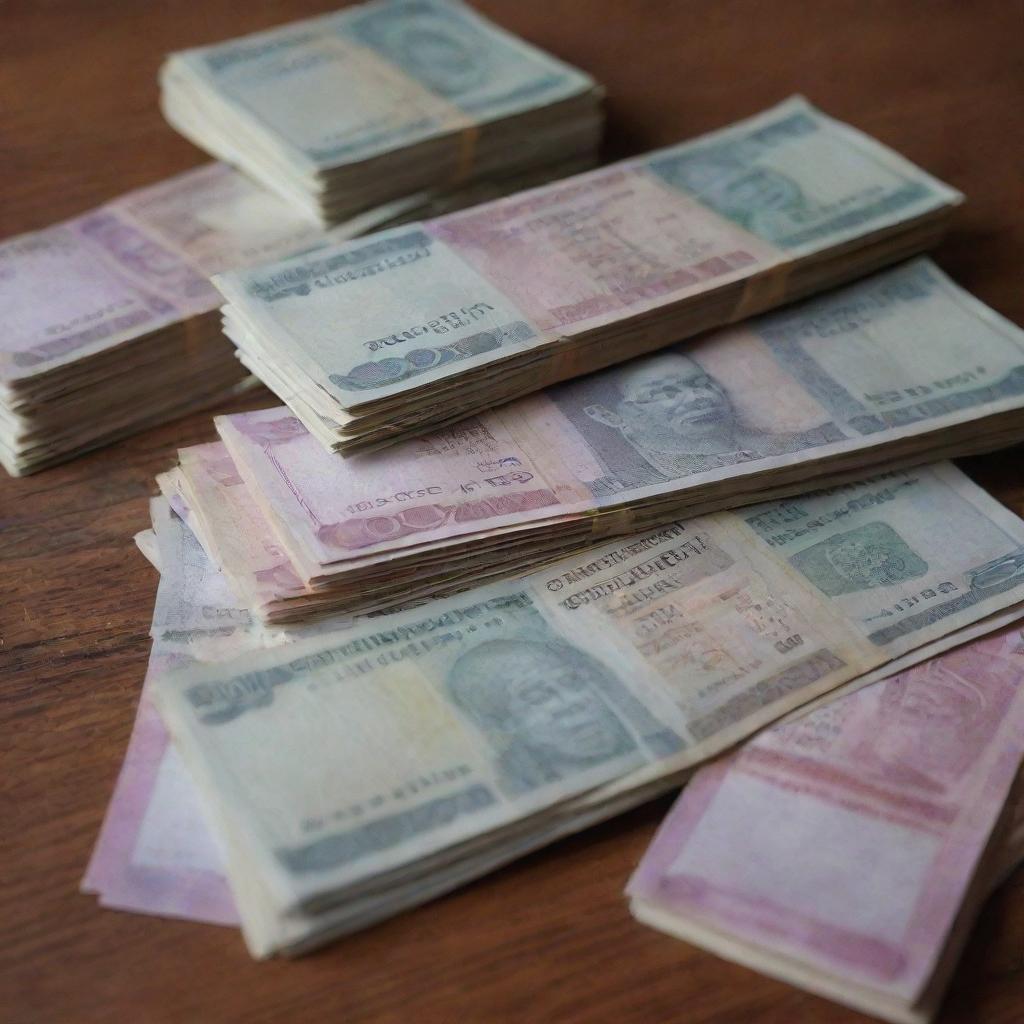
{"x":464,"y":724}
{"x":847,"y":852}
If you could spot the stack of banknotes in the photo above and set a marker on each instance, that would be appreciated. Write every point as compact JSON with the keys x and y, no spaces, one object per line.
{"x":848,"y":852}
{"x":382,"y":101}
{"x":336,"y":776}
{"x":377,"y":340}
{"x":110,"y":321}
{"x":897,"y":369}
{"x":131,"y":338}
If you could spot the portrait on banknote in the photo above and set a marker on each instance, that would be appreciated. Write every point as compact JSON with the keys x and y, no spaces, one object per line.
{"x":547,"y":707}
{"x":671,"y":415}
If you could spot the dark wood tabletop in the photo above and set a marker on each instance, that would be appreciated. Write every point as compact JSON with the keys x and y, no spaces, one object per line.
{"x":550,"y":938}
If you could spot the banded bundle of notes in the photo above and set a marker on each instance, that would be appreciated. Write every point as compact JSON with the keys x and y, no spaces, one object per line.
{"x":383,"y":101}
{"x":374,"y":341}
{"x":110,"y":321}
{"x":897,"y":369}
{"x":348,"y":774}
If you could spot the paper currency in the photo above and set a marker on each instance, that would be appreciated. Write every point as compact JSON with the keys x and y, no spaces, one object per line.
{"x":441,"y":741}
{"x":848,"y":852}
{"x":155,"y":853}
{"x":345,"y":111}
{"x":377,"y":341}
{"x":130,"y":337}
{"x":900,"y":368}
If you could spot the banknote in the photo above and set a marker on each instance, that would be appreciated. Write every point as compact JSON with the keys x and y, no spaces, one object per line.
{"x":408,"y":71}
{"x":900,"y":367}
{"x":464,"y":724}
{"x":146,"y":542}
{"x":499,"y":300}
{"x":155,"y":853}
{"x":238,"y":538}
{"x":130,"y":338}
{"x":135,"y":265}
{"x":380,"y":100}
{"x":842,"y":852}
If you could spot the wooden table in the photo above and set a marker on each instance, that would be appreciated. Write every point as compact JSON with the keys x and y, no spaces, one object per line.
{"x":549,"y":938}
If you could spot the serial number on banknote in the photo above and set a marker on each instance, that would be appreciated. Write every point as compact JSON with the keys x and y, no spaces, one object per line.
{"x":467,"y":487}
{"x":398,"y":498}
{"x":960,"y":380}
{"x":443,"y":323}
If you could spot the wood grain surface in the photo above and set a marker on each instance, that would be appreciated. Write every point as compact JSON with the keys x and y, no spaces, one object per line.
{"x":549,"y":939}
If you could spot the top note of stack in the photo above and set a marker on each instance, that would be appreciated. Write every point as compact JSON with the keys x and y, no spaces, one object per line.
{"x":110,"y":321}
{"x":352,"y":109}
{"x":373,"y":341}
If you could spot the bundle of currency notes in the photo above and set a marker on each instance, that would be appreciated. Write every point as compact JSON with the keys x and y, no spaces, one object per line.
{"x":109,"y":318}
{"x":155,"y":853}
{"x":347,"y":774}
{"x":849,"y":851}
{"x":382,"y":101}
{"x":374,"y":341}
{"x":897,"y":369}
{"x":132,"y":336}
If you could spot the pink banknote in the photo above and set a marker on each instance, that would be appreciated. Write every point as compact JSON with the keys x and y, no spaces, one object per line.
{"x":155,"y":854}
{"x":837,"y":851}
{"x":474,"y":477}
{"x":135,"y":265}
{"x":612,"y":240}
